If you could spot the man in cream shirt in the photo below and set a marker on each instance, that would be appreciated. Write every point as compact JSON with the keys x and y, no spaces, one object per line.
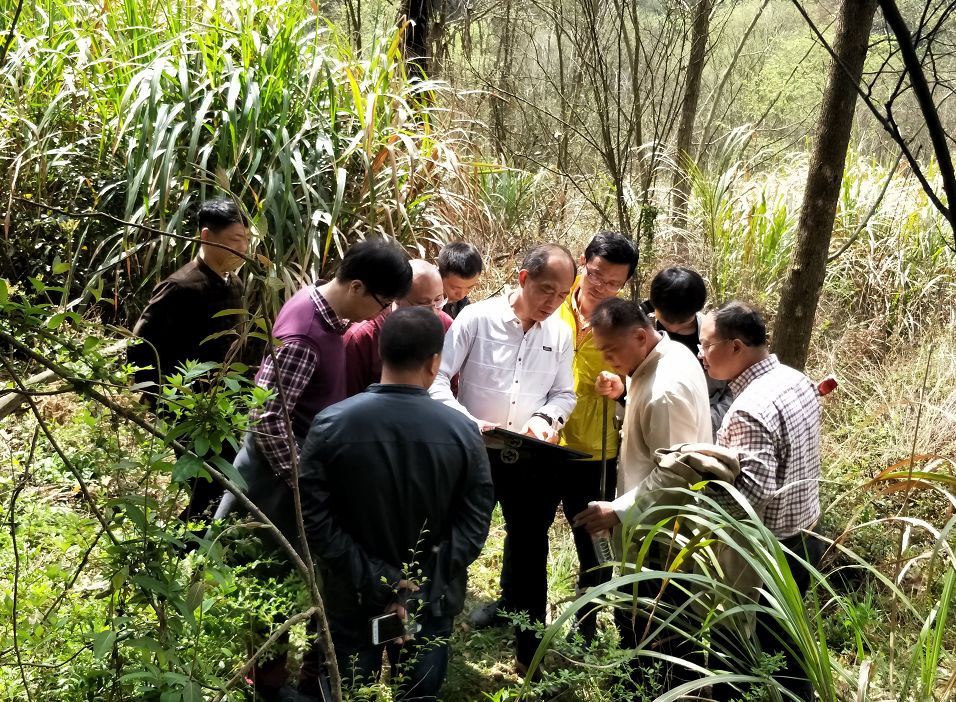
{"x":513,"y":358}
{"x":667,"y":403}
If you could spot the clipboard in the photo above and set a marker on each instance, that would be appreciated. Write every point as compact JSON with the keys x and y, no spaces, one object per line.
{"x":504,"y":439}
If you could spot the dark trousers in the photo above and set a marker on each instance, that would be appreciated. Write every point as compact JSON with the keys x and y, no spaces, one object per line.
{"x":772,"y":637}
{"x":528,"y":497}
{"x":529,"y":492}
{"x":578,"y":483}
{"x":418,"y":666}
{"x":204,"y":494}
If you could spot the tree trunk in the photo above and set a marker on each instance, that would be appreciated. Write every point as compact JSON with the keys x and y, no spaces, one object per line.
{"x":415,"y":43}
{"x":688,"y":112}
{"x":801,"y":290}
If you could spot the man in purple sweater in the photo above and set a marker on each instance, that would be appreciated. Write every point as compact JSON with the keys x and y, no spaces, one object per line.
{"x":307,"y":371}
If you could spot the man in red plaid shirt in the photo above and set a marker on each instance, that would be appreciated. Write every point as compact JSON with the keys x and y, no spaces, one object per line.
{"x":774,"y":427}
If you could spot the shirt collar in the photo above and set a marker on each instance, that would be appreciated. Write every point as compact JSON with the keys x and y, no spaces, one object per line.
{"x":396,"y":389}
{"x":750,"y":374}
{"x":572,"y":299}
{"x":652,"y":357}
{"x":210,"y":273}
{"x":508,"y":312}
{"x":326,"y":312}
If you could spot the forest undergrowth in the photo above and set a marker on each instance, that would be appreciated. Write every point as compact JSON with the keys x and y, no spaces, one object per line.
{"x":113,"y":125}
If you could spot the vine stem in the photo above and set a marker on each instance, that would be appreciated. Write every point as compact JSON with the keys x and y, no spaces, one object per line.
{"x":288,"y":624}
{"x":18,"y":488}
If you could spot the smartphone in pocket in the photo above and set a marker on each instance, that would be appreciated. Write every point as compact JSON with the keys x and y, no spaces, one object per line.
{"x":388,"y":627}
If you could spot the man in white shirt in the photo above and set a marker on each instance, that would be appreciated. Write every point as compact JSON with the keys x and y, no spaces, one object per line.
{"x":667,"y":403}
{"x":513,"y":359}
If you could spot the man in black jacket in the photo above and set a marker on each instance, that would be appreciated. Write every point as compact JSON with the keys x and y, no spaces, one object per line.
{"x":397,"y":499}
{"x":184,"y":321}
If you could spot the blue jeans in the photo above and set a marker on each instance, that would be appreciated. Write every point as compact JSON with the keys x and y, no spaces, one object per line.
{"x":419,"y":665}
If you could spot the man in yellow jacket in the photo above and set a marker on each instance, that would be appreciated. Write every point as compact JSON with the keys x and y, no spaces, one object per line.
{"x":606,"y":266}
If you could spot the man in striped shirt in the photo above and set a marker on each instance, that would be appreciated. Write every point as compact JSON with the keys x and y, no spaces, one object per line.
{"x":774,"y":427}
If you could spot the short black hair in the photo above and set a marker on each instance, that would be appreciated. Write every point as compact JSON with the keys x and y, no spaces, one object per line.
{"x":615,"y":248}
{"x":537,"y":258}
{"x":678,"y":293}
{"x":616,"y":314}
{"x":218,"y":213}
{"x":410,"y":337}
{"x":381,"y":265}
{"x":741,"y":320}
{"x":460,"y":258}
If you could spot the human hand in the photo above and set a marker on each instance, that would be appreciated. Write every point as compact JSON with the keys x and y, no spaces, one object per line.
{"x":599,"y":516}
{"x":540,"y":428}
{"x":484,"y":426}
{"x":609,"y":385}
{"x":400,"y":606}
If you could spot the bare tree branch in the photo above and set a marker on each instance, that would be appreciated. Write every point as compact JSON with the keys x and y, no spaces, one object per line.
{"x":11,"y":33}
{"x":889,"y":123}
{"x":924,"y":99}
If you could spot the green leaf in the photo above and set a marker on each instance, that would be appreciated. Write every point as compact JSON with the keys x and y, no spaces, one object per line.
{"x":151,"y":585}
{"x":236,"y":311}
{"x":229,"y":470}
{"x":144,"y":644}
{"x":192,"y":692}
{"x":103,"y":643}
{"x":188,"y":466}
{"x":119,"y":577}
{"x":201,"y":446}
{"x":195,"y":595}
{"x":60,"y":266}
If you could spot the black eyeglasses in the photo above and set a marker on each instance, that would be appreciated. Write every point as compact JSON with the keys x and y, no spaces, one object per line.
{"x":379,"y":301}
{"x":599,"y":282}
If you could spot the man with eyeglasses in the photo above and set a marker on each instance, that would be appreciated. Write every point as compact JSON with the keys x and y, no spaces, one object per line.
{"x":607,"y":265}
{"x":773,"y":426}
{"x":362,"y":359}
{"x":513,"y":356}
{"x":306,"y":371}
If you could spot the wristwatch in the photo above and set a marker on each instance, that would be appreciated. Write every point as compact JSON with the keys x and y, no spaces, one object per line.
{"x":549,"y":420}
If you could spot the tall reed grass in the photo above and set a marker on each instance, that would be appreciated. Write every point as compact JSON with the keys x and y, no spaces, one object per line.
{"x":890,"y":262}
{"x":718,"y":615}
{"x":141,"y":110}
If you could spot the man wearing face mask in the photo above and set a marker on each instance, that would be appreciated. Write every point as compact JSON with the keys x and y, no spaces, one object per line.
{"x":677,"y":298}
{"x":513,"y":356}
